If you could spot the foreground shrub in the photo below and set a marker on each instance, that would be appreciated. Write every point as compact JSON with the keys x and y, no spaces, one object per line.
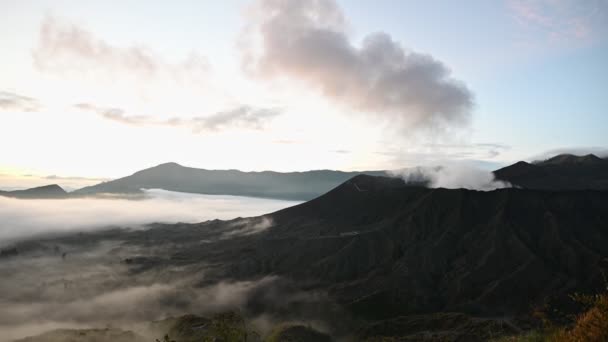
{"x":590,"y":326}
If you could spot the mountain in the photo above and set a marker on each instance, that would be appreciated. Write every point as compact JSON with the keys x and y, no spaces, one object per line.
{"x":562,"y":172}
{"x":47,"y":191}
{"x":378,"y":258}
{"x":394,"y":249}
{"x":570,"y":159}
{"x":384,"y":249}
{"x":268,"y":184}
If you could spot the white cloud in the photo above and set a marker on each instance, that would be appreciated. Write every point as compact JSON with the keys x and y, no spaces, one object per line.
{"x":17,"y":102}
{"x":245,"y":117}
{"x":66,"y":48}
{"x":307,"y":41}
{"x":562,"y":20}
{"x":453,"y":175}
{"x":24,"y":218}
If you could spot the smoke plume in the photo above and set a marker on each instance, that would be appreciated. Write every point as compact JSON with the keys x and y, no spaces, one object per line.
{"x":453,"y":175}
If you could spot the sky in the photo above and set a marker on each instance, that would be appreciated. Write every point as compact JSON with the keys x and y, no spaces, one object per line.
{"x":95,"y":90}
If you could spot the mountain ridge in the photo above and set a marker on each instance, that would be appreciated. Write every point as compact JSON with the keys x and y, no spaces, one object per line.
{"x":394,"y":249}
{"x":567,"y":158}
{"x":560,"y":172}
{"x":266,"y":184}
{"x":41,"y":192}
{"x":384,"y":253}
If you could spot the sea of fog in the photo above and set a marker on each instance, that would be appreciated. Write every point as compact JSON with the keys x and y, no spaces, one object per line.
{"x":22,"y":218}
{"x":87,"y":285}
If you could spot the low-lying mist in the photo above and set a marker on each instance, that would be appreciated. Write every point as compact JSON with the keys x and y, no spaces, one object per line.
{"x":93,"y":287}
{"x":452,"y":175}
{"x":25,"y":218}
{"x":106,"y":279}
{"x":61,"y":270}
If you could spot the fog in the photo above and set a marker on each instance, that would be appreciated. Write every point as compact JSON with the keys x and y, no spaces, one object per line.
{"x":248,"y":226}
{"x":92,"y":287}
{"x":452,"y":175}
{"x":88,"y":281}
{"x":25,"y":218}
{"x":53,"y":280}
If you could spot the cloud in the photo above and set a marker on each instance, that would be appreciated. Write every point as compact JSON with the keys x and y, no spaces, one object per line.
{"x":562,"y":20}
{"x":286,"y":142}
{"x":16,"y":102}
{"x":242,"y":117}
{"x":24,"y":218}
{"x":92,"y":288}
{"x":248,"y":226}
{"x":140,"y":302}
{"x":245,"y":117}
{"x":117,"y":114}
{"x":478,"y":150}
{"x":307,"y":41}
{"x":66,"y":48}
{"x":452,"y":175}
{"x":72,"y":178}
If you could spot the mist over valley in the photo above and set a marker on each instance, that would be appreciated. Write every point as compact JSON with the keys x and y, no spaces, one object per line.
{"x":303,"y":171}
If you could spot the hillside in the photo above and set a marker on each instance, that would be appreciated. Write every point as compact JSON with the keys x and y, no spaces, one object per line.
{"x":400,"y":250}
{"x":268,"y":184}
{"x":562,"y":172}
{"x":47,"y":191}
{"x":384,"y":249}
{"x":377,"y":257}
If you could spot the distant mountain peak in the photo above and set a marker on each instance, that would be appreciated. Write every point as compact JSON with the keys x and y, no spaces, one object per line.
{"x":51,"y":188}
{"x":169,"y":165}
{"x":515,"y":170}
{"x":54,"y":187}
{"x":522,"y":163}
{"x":46,"y":191}
{"x":175,"y":177}
{"x":523,"y":166}
{"x":561,"y":172}
{"x":563,"y":159}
